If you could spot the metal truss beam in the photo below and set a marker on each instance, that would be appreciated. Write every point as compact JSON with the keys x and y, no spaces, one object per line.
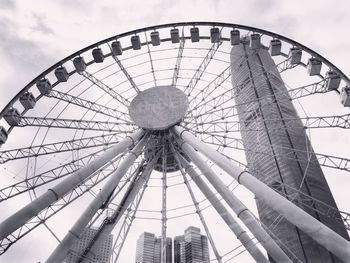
{"x":329,"y":161}
{"x":105,"y":88}
{"x":178,"y":60}
{"x":318,"y":206}
{"x":53,"y":194}
{"x":74,"y":124}
{"x":322,"y":234}
{"x":57,"y":147}
{"x":126,"y":73}
{"x":201,"y":68}
{"x":214,"y":84}
{"x":59,"y":254}
{"x":43,"y":178}
{"x":55,"y":207}
{"x":114,"y":113}
{"x":126,"y":225}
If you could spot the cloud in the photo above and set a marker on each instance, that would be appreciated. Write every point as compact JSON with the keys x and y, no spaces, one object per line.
{"x":41,"y":25}
{"x":8,"y":5}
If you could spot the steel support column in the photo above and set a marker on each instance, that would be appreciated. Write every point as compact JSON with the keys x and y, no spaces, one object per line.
{"x":237,"y":206}
{"x":128,"y":198}
{"x":58,"y":191}
{"x":75,"y":232}
{"x":240,"y":233}
{"x":315,"y":229}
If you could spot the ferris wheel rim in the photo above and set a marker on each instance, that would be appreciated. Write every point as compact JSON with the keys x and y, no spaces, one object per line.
{"x":169,"y":25}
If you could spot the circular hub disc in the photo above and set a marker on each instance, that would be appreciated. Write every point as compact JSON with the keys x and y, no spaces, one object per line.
{"x":158,"y":108}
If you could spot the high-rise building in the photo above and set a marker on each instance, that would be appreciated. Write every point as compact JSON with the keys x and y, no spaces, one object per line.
{"x":100,"y":253}
{"x":148,"y":249}
{"x":278,"y":150}
{"x":192,"y":247}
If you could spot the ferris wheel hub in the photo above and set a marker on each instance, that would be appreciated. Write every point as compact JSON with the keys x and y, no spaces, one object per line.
{"x":158,"y":108}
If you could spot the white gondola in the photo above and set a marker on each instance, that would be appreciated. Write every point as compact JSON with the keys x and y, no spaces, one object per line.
{"x":135,"y":42}
{"x":97,"y":54}
{"x":255,"y":41}
{"x":314,"y":66}
{"x":194,"y":34}
{"x":27,"y":100}
{"x":12,"y":117}
{"x":175,"y":35}
{"x":155,"y":40}
{"x":44,"y":86}
{"x":235,"y":37}
{"x":294,"y":55}
{"x":79,"y":64}
{"x":345,"y":96}
{"x":117,"y":48}
{"x":275,"y":47}
{"x":3,"y":135}
{"x":215,"y":35}
{"x":61,"y":74}
{"x":333,"y":80}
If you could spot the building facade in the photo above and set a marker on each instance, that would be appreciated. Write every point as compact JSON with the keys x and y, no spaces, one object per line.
{"x":278,"y":150}
{"x":100,"y":253}
{"x":148,"y":249}
{"x":192,"y":247}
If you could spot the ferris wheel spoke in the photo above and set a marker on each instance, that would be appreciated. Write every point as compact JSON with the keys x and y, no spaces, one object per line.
{"x":124,"y":101}
{"x":201,"y":68}
{"x":178,"y":60}
{"x":58,"y":147}
{"x":75,"y":124}
{"x":126,"y":73}
{"x":208,"y":89}
{"x":150,"y":60}
{"x":114,"y":113}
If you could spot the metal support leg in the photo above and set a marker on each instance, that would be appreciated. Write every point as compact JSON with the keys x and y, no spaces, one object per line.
{"x":163,"y":254}
{"x":311,"y":226}
{"x":108,"y":225}
{"x":15,"y":221}
{"x":73,"y":235}
{"x":237,"y":206}
{"x":194,"y":200}
{"x":242,"y":235}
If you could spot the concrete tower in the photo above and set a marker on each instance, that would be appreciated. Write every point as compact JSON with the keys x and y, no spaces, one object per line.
{"x":279,"y":152}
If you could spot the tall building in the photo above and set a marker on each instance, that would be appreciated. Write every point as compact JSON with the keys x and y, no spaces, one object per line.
{"x":192,"y":247}
{"x":279,"y":152}
{"x":101,"y":252}
{"x":148,"y":249}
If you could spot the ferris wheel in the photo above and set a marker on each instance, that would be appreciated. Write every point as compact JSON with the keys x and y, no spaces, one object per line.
{"x":187,"y":120}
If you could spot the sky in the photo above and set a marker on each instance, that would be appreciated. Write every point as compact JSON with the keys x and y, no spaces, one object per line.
{"x":34,"y":34}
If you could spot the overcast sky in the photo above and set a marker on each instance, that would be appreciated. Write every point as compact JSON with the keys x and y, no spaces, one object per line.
{"x":34,"y":34}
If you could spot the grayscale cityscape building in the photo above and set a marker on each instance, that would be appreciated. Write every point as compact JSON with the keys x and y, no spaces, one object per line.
{"x":101,"y":251}
{"x":192,"y":247}
{"x":148,"y":249}
{"x":278,"y":150}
